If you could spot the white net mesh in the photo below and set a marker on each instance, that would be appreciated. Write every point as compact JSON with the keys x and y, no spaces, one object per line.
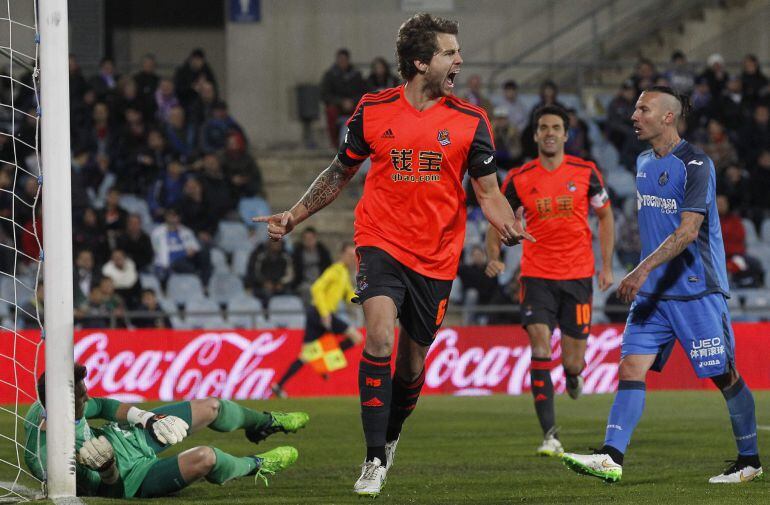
{"x":20,"y":240}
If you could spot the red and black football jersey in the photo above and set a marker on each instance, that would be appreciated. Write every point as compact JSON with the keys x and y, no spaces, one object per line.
{"x":556,"y":205}
{"x":413,"y":206}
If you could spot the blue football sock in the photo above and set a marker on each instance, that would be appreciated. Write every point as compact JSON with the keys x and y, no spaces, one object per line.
{"x":625,"y":414}
{"x":740,"y":403}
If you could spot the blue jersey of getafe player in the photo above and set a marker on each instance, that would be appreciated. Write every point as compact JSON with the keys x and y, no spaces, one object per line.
{"x":684,"y":298}
{"x":679,"y":292}
{"x":683,"y":180}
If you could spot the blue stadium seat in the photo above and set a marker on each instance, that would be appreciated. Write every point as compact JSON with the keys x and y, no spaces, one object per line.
{"x":512,"y":261}
{"x":622,"y":182}
{"x":456,"y":294}
{"x":212,"y":320}
{"x":607,"y":158}
{"x":599,"y":301}
{"x":149,"y":281}
{"x":286,"y":311}
{"x":172,"y":310}
{"x":244,"y":303}
{"x":232,"y":236}
{"x":25,"y":289}
{"x":182,"y":288}
{"x":219,"y":260}
{"x":241,"y":262}
{"x":754,"y":301}
{"x":253,"y":206}
{"x":136,"y":205}
{"x":751,"y":232}
{"x":473,"y":235}
{"x":766,"y":231}
{"x":224,"y":286}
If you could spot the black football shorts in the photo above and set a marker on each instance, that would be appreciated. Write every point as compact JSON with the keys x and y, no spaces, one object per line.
{"x":566,"y":303}
{"x":421,"y":301}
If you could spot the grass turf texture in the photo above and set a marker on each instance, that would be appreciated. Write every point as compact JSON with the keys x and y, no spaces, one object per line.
{"x":481,"y":450}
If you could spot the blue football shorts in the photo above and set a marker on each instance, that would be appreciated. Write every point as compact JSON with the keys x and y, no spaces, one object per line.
{"x":702,"y":327}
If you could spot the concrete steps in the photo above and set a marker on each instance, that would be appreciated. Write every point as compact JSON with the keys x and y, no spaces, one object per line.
{"x":287,"y":174}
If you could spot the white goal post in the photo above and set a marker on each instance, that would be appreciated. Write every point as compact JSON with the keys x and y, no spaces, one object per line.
{"x":57,"y":242}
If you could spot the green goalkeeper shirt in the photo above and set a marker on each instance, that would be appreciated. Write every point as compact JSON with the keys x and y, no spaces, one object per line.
{"x":132,"y":453}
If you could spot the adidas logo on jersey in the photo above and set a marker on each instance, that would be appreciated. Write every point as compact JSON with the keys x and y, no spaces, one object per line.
{"x":533,"y":191}
{"x":388,"y":134}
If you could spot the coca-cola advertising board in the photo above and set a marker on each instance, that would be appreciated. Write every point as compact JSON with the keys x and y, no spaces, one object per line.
{"x":143,"y":365}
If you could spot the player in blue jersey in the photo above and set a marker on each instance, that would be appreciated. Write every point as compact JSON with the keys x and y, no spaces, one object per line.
{"x":678,"y":291}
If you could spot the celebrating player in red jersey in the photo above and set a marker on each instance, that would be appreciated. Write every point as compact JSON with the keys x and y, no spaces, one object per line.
{"x":410,"y":222}
{"x":556,"y":191}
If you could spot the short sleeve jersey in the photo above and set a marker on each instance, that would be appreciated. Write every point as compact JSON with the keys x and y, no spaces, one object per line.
{"x":556,"y":205}
{"x":413,"y":206}
{"x":683,"y":180}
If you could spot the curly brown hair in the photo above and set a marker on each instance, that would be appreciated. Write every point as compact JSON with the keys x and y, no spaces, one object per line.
{"x":417,"y":41}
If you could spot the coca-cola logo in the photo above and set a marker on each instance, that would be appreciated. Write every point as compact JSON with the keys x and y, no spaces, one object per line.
{"x":473,"y":370}
{"x":197,"y":370}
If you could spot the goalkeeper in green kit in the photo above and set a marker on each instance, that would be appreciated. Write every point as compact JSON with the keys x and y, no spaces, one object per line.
{"x":120,"y":459}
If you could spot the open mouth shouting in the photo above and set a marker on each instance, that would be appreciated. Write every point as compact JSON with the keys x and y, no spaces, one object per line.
{"x":450,"y":78}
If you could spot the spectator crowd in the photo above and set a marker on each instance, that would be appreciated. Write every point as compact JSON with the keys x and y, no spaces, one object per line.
{"x":159,"y":163}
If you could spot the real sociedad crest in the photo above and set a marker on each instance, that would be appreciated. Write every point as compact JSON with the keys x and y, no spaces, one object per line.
{"x":443,"y":137}
{"x":663,"y":179}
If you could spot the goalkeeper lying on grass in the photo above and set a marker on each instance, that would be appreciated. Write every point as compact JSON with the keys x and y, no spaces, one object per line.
{"x":120,"y":459}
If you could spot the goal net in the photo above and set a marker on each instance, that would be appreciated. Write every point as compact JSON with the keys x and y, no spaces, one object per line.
{"x":20,"y":239}
{"x":28,"y":143}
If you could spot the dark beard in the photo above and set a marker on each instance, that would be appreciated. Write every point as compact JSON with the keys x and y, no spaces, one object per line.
{"x":432,"y":86}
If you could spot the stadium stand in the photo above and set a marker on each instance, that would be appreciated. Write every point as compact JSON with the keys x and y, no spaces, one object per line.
{"x":150,"y":146}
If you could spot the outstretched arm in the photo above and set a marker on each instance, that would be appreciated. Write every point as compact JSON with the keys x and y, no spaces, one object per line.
{"x":498,"y":211}
{"x":670,"y":248}
{"x":167,"y":430}
{"x":322,"y":192}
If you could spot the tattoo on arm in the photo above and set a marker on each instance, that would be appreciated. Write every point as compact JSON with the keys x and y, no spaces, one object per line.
{"x":676,"y":242}
{"x":327,"y":186}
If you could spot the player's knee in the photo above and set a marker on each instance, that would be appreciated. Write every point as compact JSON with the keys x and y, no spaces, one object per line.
{"x":572,"y":366}
{"x":379,"y":341}
{"x":631,"y":371}
{"x":409,"y":372}
{"x":208,"y":458}
{"x":202,"y":459}
{"x":541,"y":351}
{"x":725,"y":380}
{"x":212,"y":405}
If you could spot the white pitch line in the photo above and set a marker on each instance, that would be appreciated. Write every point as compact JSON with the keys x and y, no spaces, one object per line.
{"x":32,"y":494}
{"x":70,"y":500}
{"x":764,"y":428}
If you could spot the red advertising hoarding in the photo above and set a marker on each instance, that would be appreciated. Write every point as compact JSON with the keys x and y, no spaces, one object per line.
{"x":143,"y":365}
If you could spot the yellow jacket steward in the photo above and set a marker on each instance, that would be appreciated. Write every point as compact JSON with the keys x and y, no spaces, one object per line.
{"x":333,"y":286}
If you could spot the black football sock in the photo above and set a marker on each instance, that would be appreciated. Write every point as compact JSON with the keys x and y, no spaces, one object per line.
{"x":405,"y":396}
{"x":374,"y":387}
{"x":613,"y":453}
{"x":293,"y":369}
{"x":542,"y":392}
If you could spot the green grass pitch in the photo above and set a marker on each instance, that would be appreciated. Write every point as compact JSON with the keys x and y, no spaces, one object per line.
{"x":480,"y":450}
